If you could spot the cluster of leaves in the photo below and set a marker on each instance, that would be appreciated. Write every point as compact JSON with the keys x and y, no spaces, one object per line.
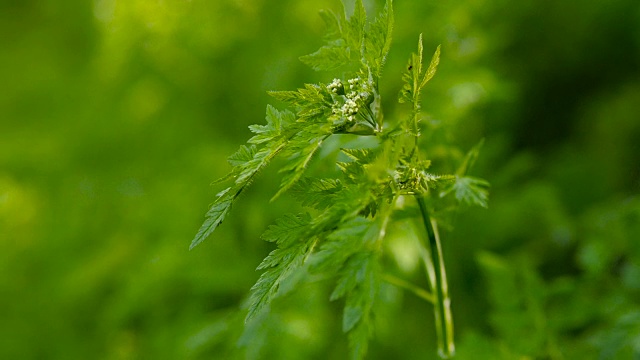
{"x":346,"y":217}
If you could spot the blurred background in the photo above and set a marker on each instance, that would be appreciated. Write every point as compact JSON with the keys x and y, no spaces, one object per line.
{"x":115,"y":116}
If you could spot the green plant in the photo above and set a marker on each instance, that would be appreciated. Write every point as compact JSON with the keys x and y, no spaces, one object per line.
{"x":347,"y":214}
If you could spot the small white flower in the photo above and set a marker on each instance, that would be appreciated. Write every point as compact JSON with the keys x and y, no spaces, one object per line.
{"x":335,"y":85}
{"x":350,"y":108}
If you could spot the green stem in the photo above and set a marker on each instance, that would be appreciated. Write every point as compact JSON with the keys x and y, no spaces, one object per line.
{"x":442,"y":305}
{"x":416,"y":290}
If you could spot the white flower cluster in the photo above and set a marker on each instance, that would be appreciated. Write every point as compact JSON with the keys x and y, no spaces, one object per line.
{"x":359,"y":92}
{"x":336,"y":86}
{"x":354,"y":82}
{"x":350,"y":109}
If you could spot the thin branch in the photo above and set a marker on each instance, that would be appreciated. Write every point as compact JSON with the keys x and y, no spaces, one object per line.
{"x":416,"y":290}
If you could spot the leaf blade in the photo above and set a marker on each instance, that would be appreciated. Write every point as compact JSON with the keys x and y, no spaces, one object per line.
{"x":433,"y":66}
{"x":214,"y":217}
{"x":281,"y":263}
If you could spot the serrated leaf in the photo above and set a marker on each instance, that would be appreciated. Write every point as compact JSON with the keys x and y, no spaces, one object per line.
{"x":361,"y":281}
{"x":350,"y":317}
{"x":361,"y":166}
{"x":356,"y":26}
{"x":352,"y":170}
{"x":469,"y":190}
{"x":351,"y":249}
{"x":434,"y":182}
{"x":419,"y":57}
{"x":359,"y":340}
{"x":317,"y":193}
{"x":311,"y":102}
{"x":378,"y":39}
{"x":414,"y":80}
{"x":328,"y":57}
{"x":411,"y":90}
{"x":287,"y":229}
{"x":344,"y":38}
{"x":343,"y":286}
{"x":243,"y":155}
{"x":360,"y":155}
{"x":247,"y":170}
{"x":281,"y":263}
{"x":346,"y":240}
{"x":353,"y":199}
{"x":353,"y":229}
{"x":247,"y":162}
{"x":276,"y":121}
{"x":332,"y":21}
{"x":433,"y":66}
{"x":349,"y":279}
{"x":291,"y":254}
{"x":302,"y":155}
{"x":214,"y":217}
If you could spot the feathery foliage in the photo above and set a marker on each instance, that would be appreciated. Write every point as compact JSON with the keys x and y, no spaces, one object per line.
{"x":346,"y":217}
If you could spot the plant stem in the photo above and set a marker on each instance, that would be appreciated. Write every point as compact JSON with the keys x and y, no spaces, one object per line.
{"x":416,"y":290}
{"x":442,"y":305}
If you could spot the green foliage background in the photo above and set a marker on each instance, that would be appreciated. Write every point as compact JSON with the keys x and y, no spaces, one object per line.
{"x":115,"y":116}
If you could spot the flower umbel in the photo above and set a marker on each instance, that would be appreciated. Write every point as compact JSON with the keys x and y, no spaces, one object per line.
{"x":350,"y":107}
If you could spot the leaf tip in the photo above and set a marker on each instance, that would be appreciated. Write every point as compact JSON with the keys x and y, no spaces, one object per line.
{"x":194,"y":243}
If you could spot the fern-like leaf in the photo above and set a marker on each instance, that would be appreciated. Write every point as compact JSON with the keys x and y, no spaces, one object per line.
{"x":298,"y":162}
{"x":328,"y":57}
{"x":276,"y":122}
{"x":287,"y":229}
{"x":214,"y":216}
{"x":342,"y":243}
{"x":431,"y":70}
{"x":378,"y":39}
{"x":344,"y":38}
{"x":294,"y":245}
{"x":414,"y":80}
{"x":332,"y":21}
{"x":311,"y":102}
{"x":356,"y":27}
{"x":280,"y":264}
{"x":364,"y":156}
{"x":359,"y":283}
{"x":469,"y":190}
{"x":246,"y":162}
{"x":411,"y":78}
{"x":316,"y":193}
